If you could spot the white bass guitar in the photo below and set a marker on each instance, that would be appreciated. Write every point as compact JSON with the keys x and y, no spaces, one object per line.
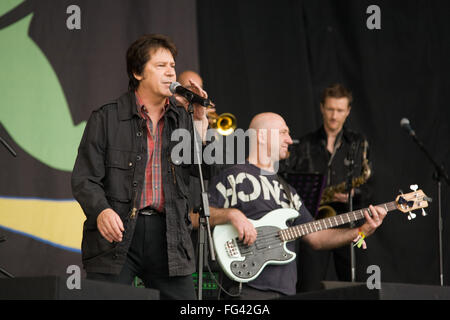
{"x":244,"y":263}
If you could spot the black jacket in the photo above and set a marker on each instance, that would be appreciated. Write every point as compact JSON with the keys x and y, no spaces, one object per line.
{"x":109,"y":173}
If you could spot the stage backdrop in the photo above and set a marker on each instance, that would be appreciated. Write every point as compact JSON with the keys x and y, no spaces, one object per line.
{"x":60,"y":60}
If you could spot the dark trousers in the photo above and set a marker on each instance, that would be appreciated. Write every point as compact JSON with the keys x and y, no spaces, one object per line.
{"x":315,"y":266}
{"x":147,"y":259}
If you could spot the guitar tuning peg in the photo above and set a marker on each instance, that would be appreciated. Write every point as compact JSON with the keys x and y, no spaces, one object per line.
{"x":423,"y":212}
{"x":414,"y":187}
{"x":411,"y":215}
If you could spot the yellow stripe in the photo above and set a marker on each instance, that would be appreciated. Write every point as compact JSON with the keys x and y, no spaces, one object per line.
{"x":60,"y":222}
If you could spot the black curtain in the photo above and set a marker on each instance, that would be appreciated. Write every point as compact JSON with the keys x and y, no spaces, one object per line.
{"x":278,"y":56}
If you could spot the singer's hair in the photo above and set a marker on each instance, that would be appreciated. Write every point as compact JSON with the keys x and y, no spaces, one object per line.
{"x":336,"y":90}
{"x":138,"y":54}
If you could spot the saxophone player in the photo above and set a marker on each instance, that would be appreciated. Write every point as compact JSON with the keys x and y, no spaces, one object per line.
{"x":327,"y":151}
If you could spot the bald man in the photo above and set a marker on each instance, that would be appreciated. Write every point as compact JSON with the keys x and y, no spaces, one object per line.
{"x":242,"y":192}
{"x":186,"y":76}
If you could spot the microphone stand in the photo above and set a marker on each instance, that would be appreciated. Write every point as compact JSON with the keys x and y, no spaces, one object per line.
{"x":3,"y":271}
{"x":204,"y":228}
{"x":351,"y":165}
{"x":439,"y":175}
{"x":7,"y":146}
{"x":3,"y":238}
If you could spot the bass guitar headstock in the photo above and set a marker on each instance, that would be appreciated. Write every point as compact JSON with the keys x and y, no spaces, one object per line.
{"x":408,"y":202}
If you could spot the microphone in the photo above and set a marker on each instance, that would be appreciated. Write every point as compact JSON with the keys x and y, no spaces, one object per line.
{"x":176,"y":87}
{"x":404,"y":123}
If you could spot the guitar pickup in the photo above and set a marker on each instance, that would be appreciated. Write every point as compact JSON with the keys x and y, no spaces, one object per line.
{"x":232,"y":249}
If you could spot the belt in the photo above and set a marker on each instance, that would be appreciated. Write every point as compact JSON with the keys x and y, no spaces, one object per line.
{"x":148,"y":211}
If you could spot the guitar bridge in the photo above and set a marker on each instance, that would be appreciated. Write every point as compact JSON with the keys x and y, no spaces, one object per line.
{"x":232,"y":249}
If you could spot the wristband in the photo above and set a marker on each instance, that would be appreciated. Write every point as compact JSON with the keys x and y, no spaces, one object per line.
{"x":359,"y":240}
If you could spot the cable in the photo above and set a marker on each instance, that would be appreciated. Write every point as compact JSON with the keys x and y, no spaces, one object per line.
{"x":220,"y":286}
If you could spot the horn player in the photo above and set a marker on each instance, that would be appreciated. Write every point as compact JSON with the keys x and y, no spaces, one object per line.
{"x":328,"y":151}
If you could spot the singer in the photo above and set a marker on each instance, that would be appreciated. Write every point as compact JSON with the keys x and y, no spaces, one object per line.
{"x":134,"y":196}
{"x":327,"y":151}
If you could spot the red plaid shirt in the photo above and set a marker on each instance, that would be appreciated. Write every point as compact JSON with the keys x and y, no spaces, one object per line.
{"x":152,"y":190}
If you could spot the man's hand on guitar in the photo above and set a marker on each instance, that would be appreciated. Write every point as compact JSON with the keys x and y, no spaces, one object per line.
{"x":372,"y":223}
{"x":245,"y":228}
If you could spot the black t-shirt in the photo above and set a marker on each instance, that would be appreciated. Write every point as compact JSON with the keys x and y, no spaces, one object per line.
{"x":256,"y":192}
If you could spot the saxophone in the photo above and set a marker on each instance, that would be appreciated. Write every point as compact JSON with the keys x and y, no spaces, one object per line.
{"x":326,"y":211}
